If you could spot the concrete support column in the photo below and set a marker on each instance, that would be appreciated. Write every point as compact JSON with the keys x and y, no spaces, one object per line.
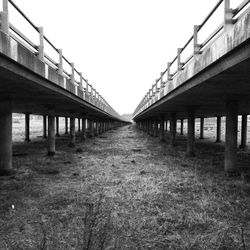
{"x":218,"y":129}
{"x":155,"y":128}
{"x":83,"y":129}
{"x":201,"y":128}
{"x":5,"y":137}
{"x":79,"y":125}
{"x":97,"y":127}
{"x":57,"y":126}
{"x":231,"y":136}
{"x":44,"y":126}
{"x":162,"y":129}
{"x":91,"y":128}
{"x":181,"y":132}
{"x":172,"y":129}
{"x":66,"y":126}
{"x":72,"y":132}
{"x":51,"y":135}
{"x":27,"y":127}
{"x":191,"y":132}
{"x":243,"y":144}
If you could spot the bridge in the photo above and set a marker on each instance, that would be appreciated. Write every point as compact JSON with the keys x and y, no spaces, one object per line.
{"x":213,"y":81}
{"x":32,"y":82}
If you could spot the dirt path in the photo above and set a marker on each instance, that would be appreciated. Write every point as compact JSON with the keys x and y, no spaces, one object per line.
{"x":121,"y":190}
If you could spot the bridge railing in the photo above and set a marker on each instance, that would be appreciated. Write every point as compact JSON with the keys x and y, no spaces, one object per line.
{"x":230,"y":17}
{"x":81,"y":87}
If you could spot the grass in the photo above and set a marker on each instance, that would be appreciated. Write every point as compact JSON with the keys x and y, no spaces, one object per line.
{"x":123,"y":190}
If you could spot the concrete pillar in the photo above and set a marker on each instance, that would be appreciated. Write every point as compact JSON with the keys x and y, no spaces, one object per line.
{"x":27,"y":127}
{"x":91,"y":127}
{"x":83,"y":129}
{"x":231,"y":136}
{"x":243,"y":144}
{"x":44,"y":126}
{"x":51,"y":135}
{"x":79,"y":125}
{"x":181,"y":132}
{"x":155,"y":128}
{"x":57,"y":126}
{"x":191,"y":132}
{"x":66,"y":126}
{"x":201,"y":128}
{"x":72,"y":132}
{"x":162,"y":129}
{"x":172,"y":129}
{"x":96,"y":127}
{"x":5,"y":137}
{"x":218,"y":129}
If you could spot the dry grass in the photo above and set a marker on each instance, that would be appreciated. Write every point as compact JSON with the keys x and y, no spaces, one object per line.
{"x":125,"y":190}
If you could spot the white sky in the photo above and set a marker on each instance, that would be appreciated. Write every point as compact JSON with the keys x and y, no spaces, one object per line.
{"x":121,"y":46}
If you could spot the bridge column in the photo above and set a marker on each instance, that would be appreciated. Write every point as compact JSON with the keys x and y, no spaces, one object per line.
{"x":96,"y":127}
{"x":243,"y":144}
{"x":5,"y":137}
{"x":181,"y":132}
{"x":218,"y":129}
{"x":57,"y":126}
{"x":166,"y":125}
{"x":162,"y":129}
{"x":44,"y":126}
{"x":72,"y":132}
{"x":172,"y":129}
{"x":201,"y":128}
{"x":83,"y":129}
{"x":79,"y":125}
{"x":191,"y":133}
{"x":91,"y":128}
{"x":51,"y":135}
{"x":66,"y":126}
{"x":155,"y":128}
{"x":27,"y":127}
{"x":231,"y":136}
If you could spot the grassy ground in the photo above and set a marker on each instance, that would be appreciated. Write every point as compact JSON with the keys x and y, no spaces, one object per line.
{"x":123,"y":190}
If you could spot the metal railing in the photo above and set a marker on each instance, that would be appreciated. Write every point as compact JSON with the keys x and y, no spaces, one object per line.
{"x":230,"y":17}
{"x":89,"y":94}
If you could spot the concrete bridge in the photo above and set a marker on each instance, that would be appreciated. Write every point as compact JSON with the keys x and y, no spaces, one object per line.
{"x":31,"y":82}
{"x":214,"y":81}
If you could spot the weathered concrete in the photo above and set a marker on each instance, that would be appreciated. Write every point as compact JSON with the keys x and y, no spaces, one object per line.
{"x":181,"y":132}
{"x":162,"y":129}
{"x":5,"y":136}
{"x":218,"y":129}
{"x":91,"y":128}
{"x":66,"y":126}
{"x":243,"y":144}
{"x":83,"y":137}
{"x":51,"y":135}
{"x":72,"y":132}
{"x":44,"y":126}
{"x":79,"y":125}
{"x":57,"y":126}
{"x":27,"y":127}
{"x":172,"y":129}
{"x":231,"y":136}
{"x":191,"y":133}
{"x":201,"y":128}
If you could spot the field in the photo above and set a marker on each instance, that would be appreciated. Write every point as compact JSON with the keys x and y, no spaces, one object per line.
{"x":122,"y":190}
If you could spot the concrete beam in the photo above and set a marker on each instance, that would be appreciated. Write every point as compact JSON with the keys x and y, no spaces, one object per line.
{"x":5,"y":137}
{"x":231,"y":136}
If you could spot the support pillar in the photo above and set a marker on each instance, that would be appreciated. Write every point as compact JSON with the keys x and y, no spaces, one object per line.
{"x":5,"y":137}
{"x":72,"y":132}
{"x":181,"y":132}
{"x":162,"y":129}
{"x":83,"y":129}
{"x":201,"y":128}
{"x":79,"y":125}
{"x":218,"y":129}
{"x":191,"y":133}
{"x":231,"y":136}
{"x":27,"y":127}
{"x":172,"y":129}
{"x":91,"y":127}
{"x":66,"y":126}
{"x":57,"y":126}
{"x":44,"y":126}
{"x":51,"y":135}
{"x":243,"y":144}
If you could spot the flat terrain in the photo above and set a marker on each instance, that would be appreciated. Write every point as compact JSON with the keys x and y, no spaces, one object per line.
{"x":123,"y":190}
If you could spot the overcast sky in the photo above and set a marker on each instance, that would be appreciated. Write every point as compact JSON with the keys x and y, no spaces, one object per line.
{"x":121,"y":46}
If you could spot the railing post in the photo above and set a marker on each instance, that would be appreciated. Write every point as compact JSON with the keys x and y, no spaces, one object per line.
{"x":169,"y":74}
{"x":162,"y":83}
{"x":5,"y":18}
{"x":60,"y":64}
{"x":87,"y":90}
{"x":179,"y":63}
{"x":80,"y":83}
{"x":41,"y":44}
{"x":228,"y":16}
{"x":197,"y":46}
{"x":72,"y":77}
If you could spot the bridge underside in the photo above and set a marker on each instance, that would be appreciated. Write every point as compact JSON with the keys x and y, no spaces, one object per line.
{"x":31,"y":93}
{"x":207,"y":92}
